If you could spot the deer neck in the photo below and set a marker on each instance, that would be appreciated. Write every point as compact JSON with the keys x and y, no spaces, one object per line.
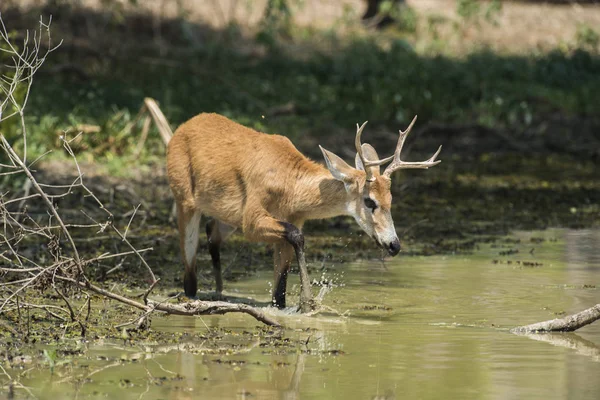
{"x":318,"y":195}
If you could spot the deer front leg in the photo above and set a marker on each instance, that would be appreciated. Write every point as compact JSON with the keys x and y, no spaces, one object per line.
{"x":295,"y":237}
{"x":282,"y":259}
{"x":268,"y":229}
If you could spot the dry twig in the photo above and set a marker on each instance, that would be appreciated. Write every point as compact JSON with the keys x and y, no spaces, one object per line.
{"x":64,"y":271}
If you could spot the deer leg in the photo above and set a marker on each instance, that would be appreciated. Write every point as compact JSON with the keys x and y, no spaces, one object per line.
{"x":295,"y":237}
{"x":268,"y":229}
{"x":282,"y":258}
{"x":216,"y":233}
{"x":188,"y":220}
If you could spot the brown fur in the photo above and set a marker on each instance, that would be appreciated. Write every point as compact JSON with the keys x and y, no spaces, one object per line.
{"x":238,"y":175}
{"x":253,"y":181}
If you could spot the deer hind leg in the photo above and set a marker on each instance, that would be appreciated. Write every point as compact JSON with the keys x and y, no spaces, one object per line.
{"x":268,"y":229}
{"x":188,"y":220}
{"x":217,"y":232}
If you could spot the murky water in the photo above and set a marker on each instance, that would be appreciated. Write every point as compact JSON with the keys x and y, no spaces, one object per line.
{"x":416,"y":327}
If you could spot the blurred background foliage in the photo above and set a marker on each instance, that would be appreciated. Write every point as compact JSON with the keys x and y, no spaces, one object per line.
{"x":297,"y":68}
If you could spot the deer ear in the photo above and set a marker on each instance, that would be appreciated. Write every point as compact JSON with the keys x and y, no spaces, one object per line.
{"x":370,"y":154}
{"x":338,"y":167}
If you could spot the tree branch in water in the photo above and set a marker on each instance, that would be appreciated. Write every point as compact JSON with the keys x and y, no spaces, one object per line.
{"x":569,"y":323}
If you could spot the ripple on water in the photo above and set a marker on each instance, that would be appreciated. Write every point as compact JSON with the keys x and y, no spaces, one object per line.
{"x":420,"y":327}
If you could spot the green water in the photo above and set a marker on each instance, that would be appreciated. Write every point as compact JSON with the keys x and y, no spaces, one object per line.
{"x":414,"y":328}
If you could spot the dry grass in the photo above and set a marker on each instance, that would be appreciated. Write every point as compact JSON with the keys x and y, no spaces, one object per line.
{"x":519,"y":28}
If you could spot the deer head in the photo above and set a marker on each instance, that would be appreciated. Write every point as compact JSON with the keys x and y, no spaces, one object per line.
{"x":369,"y":197}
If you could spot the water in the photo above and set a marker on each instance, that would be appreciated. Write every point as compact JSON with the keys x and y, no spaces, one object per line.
{"x":416,"y":328}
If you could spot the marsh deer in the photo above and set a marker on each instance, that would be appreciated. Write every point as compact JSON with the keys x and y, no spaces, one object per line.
{"x":263,"y":185}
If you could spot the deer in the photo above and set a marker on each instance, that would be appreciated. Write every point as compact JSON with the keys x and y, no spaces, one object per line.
{"x":261,"y":184}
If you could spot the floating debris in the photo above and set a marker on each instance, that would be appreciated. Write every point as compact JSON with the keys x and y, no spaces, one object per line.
{"x":369,"y":307}
{"x":519,"y":262}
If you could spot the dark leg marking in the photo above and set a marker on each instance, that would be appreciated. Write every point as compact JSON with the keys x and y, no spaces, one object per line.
{"x":209,"y":226}
{"x":293,"y":236}
{"x":215,"y":255}
{"x":280,"y":289}
{"x":190,"y":284}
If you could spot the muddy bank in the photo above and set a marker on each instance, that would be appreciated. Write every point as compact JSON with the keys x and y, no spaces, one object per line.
{"x":451,"y":209}
{"x":445,"y":210}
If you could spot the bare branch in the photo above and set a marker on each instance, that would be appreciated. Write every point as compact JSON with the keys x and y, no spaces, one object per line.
{"x":197,"y":307}
{"x":131,"y":220}
{"x":63,"y":270}
{"x":567,"y":324}
{"x":44,"y":197}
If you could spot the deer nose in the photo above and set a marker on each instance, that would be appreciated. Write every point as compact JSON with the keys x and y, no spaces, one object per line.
{"x":394,"y":247}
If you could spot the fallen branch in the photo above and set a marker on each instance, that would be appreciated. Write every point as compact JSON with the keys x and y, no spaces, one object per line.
{"x":569,"y":323}
{"x":67,"y":268}
{"x":200,"y":307}
{"x":197,"y":307}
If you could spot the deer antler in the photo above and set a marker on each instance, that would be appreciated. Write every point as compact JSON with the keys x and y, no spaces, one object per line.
{"x":367,"y":163}
{"x":397,"y":163}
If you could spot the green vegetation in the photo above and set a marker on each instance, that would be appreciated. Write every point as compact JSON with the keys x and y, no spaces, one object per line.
{"x":473,"y":10}
{"x":588,"y":38}
{"x":380,"y":78}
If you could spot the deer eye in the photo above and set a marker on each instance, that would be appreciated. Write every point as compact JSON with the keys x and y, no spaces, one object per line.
{"x":370,"y":203}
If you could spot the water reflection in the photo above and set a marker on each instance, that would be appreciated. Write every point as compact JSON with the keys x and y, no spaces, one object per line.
{"x":569,"y":340}
{"x":582,"y":248}
{"x":226,"y":377}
